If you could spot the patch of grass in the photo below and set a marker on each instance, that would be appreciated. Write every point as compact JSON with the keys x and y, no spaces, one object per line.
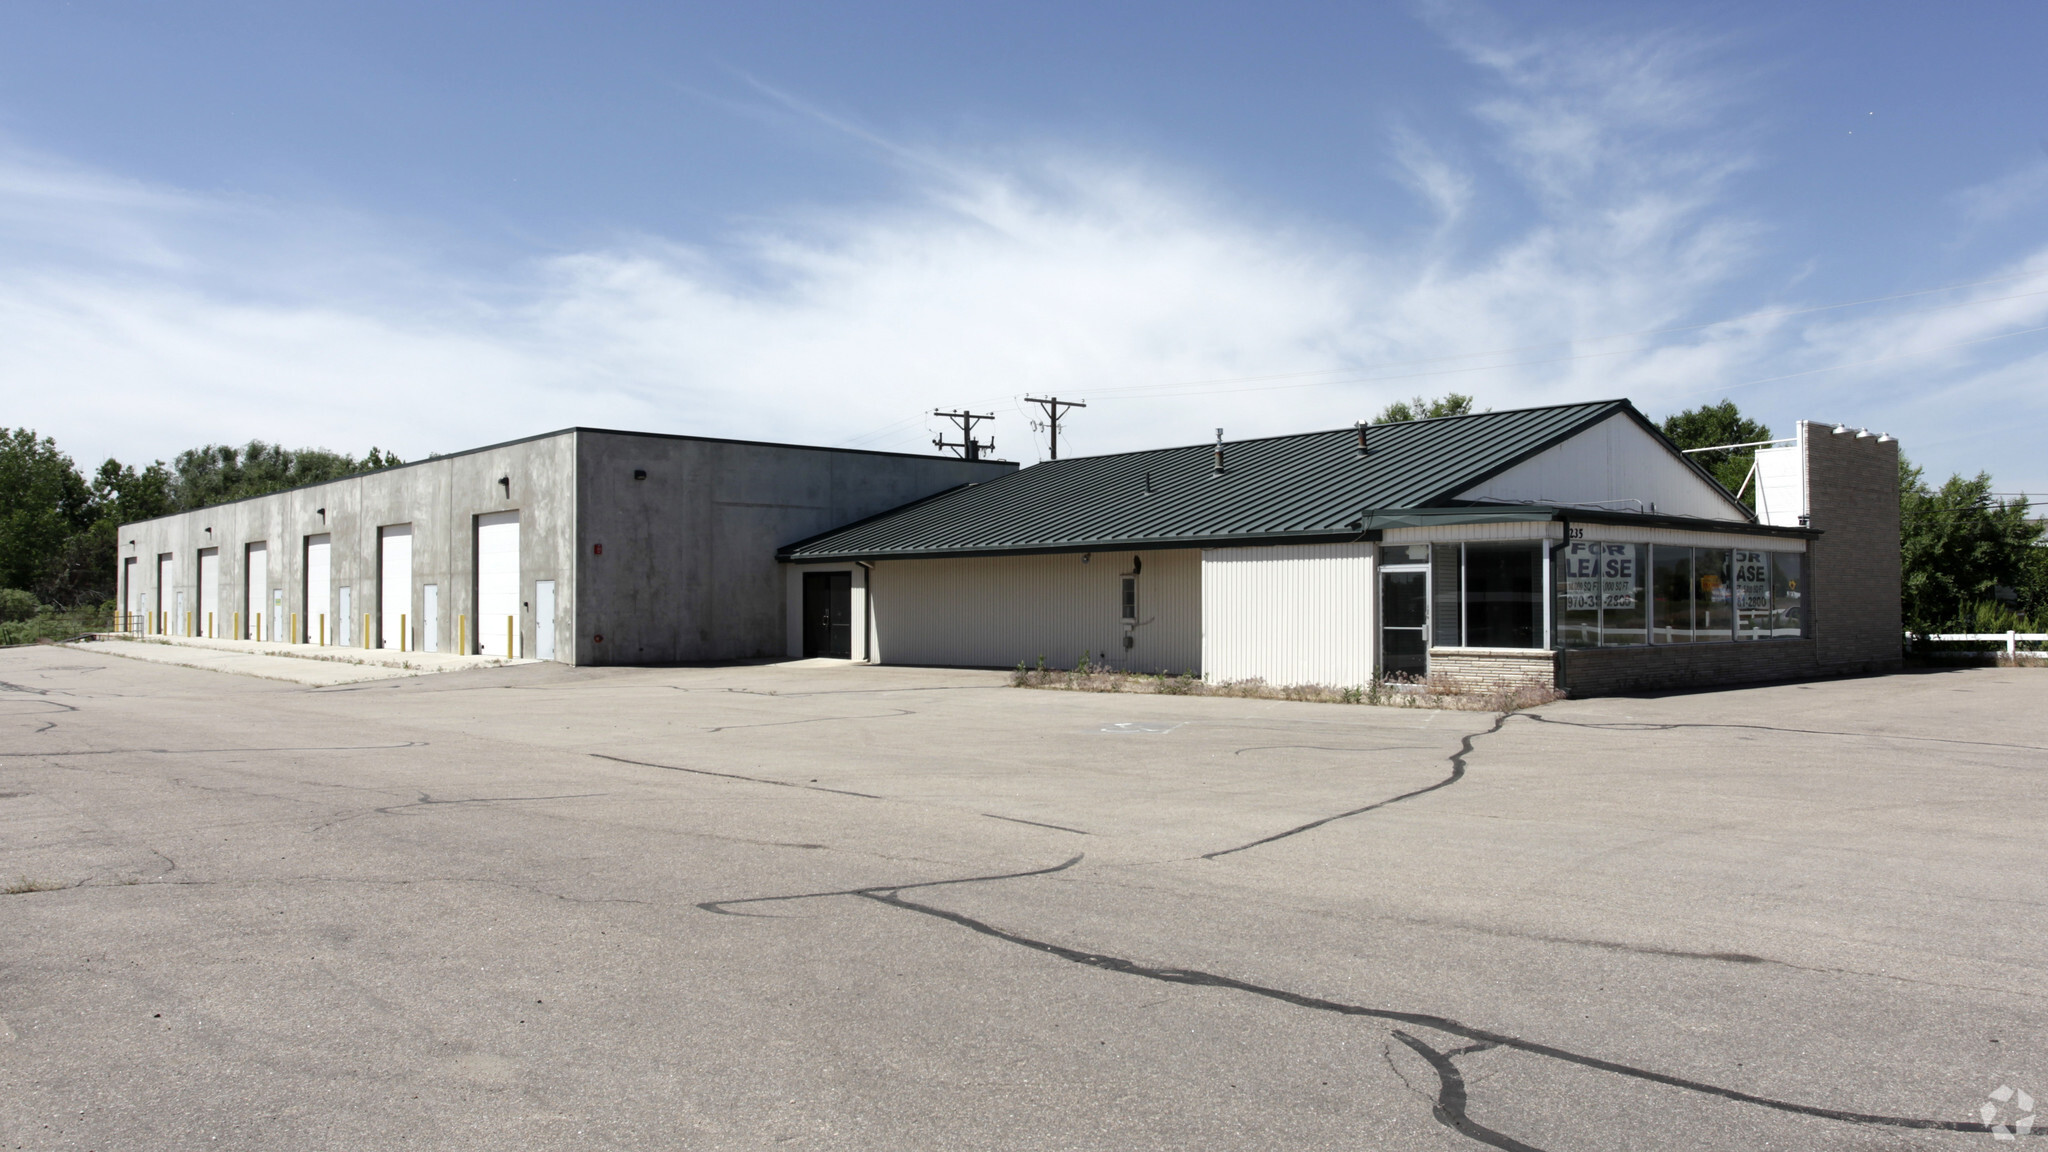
{"x":24,"y":885}
{"x":1432,"y":693}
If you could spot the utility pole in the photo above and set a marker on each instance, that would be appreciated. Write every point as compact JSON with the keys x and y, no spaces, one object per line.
{"x":968,"y":447}
{"x":1052,"y":406}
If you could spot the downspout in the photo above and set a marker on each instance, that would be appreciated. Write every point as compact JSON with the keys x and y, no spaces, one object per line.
{"x":867,"y":611}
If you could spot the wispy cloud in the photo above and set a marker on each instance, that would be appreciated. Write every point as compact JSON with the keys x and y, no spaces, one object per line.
{"x":138,"y":320}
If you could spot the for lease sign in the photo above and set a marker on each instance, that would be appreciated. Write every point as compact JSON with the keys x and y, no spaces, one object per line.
{"x":1752,"y":581}
{"x":1599,"y":575}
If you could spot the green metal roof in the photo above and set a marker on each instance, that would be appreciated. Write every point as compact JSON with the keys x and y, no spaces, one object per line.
{"x":1310,"y":486}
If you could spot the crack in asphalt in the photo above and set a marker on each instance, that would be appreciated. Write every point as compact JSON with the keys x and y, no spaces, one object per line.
{"x":428,"y":801}
{"x":1450,"y":1105}
{"x":1457,"y":774}
{"x":1451,"y":1100}
{"x":208,"y":751}
{"x":1038,"y":824}
{"x":889,"y":715}
{"x":737,"y":776}
{"x":1661,"y":726}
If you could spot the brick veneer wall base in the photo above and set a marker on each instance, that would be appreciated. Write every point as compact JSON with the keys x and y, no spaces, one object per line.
{"x":1484,"y":668}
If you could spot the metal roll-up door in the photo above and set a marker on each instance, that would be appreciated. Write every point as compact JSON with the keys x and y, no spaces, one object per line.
{"x":394,"y":584}
{"x":497,"y":584}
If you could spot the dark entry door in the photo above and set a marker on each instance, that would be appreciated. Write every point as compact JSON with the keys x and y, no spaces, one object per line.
{"x":828,"y":614}
{"x":1404,"y":623}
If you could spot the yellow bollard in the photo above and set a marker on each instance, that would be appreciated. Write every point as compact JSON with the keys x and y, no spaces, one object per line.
{"x":188,"y":624}
{"x":209,"y":626}
{"x":401,"y":632}
{"x":462,"y":633}
{"x":295,"y":629}
{"x":508,"y":637}
{"x":323,"y":629}
{"x":238,"y":625}
{"x":367,"y":638}
{"x":256,"y":626}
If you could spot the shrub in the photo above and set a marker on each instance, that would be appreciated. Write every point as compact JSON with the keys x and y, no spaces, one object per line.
{"x":16,"y":604}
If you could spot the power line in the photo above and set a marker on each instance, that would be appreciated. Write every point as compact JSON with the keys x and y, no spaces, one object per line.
{"x":1052,"y":406}
{"x":968,"y":447}
{"x":1364,"y":375}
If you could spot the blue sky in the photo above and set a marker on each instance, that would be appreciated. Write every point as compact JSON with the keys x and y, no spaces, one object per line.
{"x":433,"y":226}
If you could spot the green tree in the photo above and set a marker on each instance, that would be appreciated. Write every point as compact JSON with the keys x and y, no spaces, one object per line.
{"x":1715,"y":425}
{"x":1958,"y":545}
{"x":218,"y":473}
{"x":1402,"y":411}
{"x":43,"y":503}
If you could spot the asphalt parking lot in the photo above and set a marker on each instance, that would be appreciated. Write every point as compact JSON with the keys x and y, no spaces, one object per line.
{"x":824,"y":906}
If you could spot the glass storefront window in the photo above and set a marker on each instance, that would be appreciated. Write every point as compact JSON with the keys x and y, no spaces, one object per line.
{"x":1788,"y":591}
{"x":1671,"y":597}
{"x":1752,"y":579}
{"x":1404,"y":554}
{"x":1713,"y":597}
{"x":1503,"y":594}
{"x":1689,"y":595}
{"x":1601,"y":601}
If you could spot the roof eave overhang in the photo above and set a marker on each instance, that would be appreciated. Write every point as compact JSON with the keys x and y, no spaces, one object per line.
{"x":1370,"y":528}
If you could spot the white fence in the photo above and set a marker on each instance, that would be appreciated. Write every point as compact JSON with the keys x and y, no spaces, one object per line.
{"x":2012,"y":640}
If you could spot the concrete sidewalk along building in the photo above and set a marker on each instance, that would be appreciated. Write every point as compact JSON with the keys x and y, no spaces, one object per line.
{"x":585,"y":546}
{"x":1570,"y":545}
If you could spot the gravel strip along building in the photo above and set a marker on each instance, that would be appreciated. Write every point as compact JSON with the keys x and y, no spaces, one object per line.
{"x":586,"y":546}
{"x":1570,"y":545}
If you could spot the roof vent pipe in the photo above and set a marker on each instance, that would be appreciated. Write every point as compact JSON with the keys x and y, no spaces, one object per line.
{"x":1219,"y":450}
{"x":1362,"y":448}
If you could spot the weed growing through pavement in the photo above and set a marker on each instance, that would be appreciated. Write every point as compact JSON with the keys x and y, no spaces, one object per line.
{"x":24,"y":885}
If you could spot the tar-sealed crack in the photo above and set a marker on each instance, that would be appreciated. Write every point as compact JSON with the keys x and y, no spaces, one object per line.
{"x":1451,"y":1103}
{"x":1457,"y":774}
{"x":737,"y":776}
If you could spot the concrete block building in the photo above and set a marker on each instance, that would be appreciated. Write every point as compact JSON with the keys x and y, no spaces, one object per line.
{"x":586,"y":546}
{"x":1570,"y":545}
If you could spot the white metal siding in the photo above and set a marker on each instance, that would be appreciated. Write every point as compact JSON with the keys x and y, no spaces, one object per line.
{"x":255,"y":590}
{"x":1781,"y":485}
{"x":996,"y":612}
{"x":208,"y":622}
{"x":1508,"y":530}
{"x":319,"y":625}
{"x":1615,"y":460}
{"x":497,"y":582}
{"x":394,"y":583}
{"x":1299,"y":614}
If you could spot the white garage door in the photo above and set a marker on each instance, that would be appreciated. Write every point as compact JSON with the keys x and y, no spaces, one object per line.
{"x":255,"y":590}
{"x":497,"y":583}
{"x":319,"y":578}
{"x":209,"y":595}
{"x":394,"y":583}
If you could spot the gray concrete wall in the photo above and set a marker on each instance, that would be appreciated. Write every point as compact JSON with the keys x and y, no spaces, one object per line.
{"x":440,"y":499}
{"x":688,"y":569}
